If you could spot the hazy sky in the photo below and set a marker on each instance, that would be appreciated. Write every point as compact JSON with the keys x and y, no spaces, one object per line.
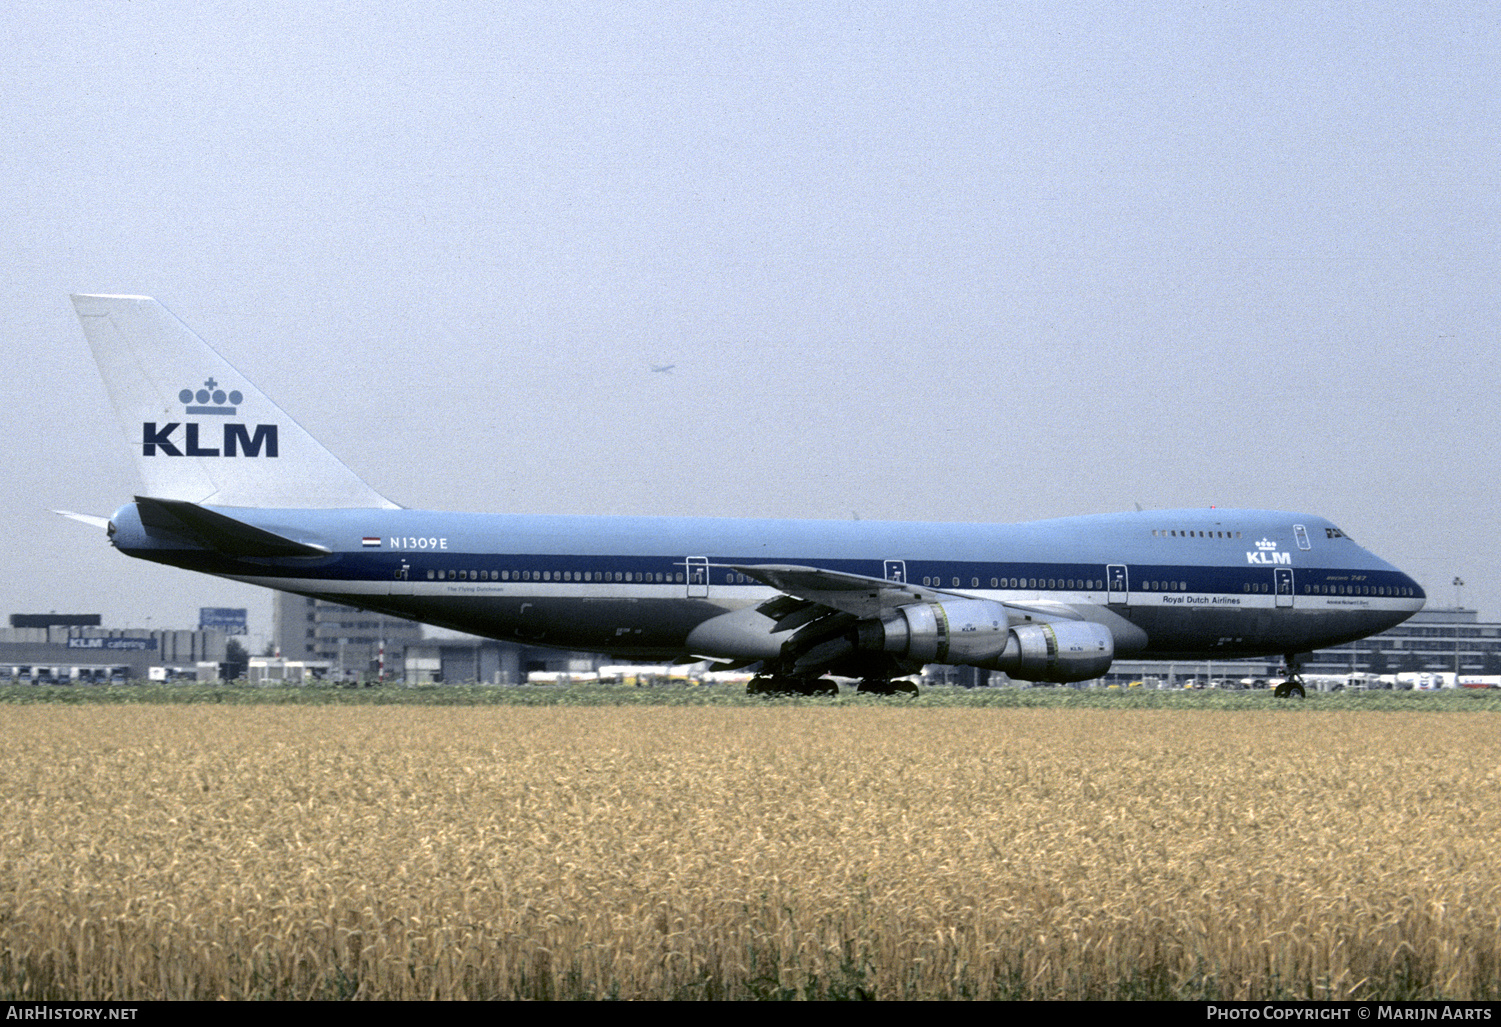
{"x":946,"y":261}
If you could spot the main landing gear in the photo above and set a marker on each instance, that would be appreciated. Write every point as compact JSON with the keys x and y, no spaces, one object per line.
{"x":770,"y":684}
{"x":763,"y":684}
{"x":1293,"y":686}
{"x":883,"y":686}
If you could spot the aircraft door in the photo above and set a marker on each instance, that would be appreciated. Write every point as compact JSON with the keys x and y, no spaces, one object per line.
{"x":895,"y":570}
{"x":401,"y":583}
{"x":1284,"y":582}
{"x":698,"y":577}
{"x":1117,"y":582}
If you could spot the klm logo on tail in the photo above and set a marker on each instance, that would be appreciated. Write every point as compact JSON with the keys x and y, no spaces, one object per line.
{"x":237,"y":439}
{"x":210,"y":393}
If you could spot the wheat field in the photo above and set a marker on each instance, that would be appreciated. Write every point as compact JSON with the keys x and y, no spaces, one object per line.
{"x":384,"y":852}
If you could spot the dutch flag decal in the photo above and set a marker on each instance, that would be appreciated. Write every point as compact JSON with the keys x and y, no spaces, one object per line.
{"x":372,"y":541}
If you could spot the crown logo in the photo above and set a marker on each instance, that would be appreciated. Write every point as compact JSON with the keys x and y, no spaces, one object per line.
{"x":210,"y":399}
{"x":1266,"y":544}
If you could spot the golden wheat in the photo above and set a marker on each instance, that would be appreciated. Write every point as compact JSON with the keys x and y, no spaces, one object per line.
{"x":385,"y":852}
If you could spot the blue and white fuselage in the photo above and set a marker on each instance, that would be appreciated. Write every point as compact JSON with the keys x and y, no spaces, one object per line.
{"x":1172,"y":584}
{"x":235,"y":488}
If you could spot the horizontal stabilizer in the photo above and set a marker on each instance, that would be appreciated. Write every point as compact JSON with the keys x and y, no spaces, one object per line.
{"x":215,"y":531}
{"x":89,"y":519}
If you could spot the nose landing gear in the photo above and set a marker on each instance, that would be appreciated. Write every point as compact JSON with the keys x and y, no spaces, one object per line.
{"x":1293,"y":686}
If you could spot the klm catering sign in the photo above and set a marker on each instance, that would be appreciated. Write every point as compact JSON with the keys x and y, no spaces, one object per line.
{"x":113,"y":644}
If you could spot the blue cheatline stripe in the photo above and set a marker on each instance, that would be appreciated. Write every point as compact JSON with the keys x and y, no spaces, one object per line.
{"x":985,"y":576}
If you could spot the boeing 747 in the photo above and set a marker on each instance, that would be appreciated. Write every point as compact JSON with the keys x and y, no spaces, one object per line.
{"x":236,"y":488}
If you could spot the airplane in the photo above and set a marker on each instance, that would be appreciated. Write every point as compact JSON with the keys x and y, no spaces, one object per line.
{"x":235,"y":488}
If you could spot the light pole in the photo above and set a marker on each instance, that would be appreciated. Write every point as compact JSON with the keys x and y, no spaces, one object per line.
{"x":1459,"y":583}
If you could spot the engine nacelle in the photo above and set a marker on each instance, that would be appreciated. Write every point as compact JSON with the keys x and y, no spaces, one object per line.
{"x":1059,"y":651}
{"x":977,"y":632}
{"x":954,"y":631}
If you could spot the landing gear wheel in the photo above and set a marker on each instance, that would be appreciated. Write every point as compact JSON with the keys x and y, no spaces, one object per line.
{"x":882,"y":686}
{"x":1294,"y":683}
{"x":763,"y":684}
{"x":818,"y":686}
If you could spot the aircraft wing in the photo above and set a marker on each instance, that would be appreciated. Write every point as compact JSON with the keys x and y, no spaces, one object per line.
{"x":823,"y":616}
{"x":864,"y":597}
{"x":819,"y":611}
{"x":854,"y":594}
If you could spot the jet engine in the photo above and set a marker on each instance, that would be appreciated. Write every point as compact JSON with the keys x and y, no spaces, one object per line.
{"x":978,"y":632}
{"x":1061,"y":651}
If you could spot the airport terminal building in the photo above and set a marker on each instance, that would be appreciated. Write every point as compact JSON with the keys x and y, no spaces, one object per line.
{"x":1433,"y":640}
{"x":44,"y":648}
{"x":344,"y":643}
{"x":350,"y":642}
{"x":321,"y":640}
{"x":347,"y":643}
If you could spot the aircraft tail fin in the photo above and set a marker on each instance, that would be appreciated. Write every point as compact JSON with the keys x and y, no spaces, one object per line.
{"x":202,"y":433}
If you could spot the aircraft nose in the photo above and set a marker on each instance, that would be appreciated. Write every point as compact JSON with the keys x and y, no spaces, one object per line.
{"x":1417,"y":590}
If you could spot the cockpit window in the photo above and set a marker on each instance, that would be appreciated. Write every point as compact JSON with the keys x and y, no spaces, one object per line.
{"x":1335,"y":533}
